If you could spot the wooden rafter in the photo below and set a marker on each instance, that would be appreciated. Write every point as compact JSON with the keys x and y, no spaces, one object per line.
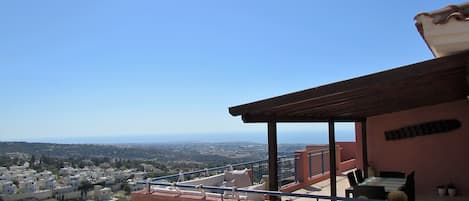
{"x":393,"y":90}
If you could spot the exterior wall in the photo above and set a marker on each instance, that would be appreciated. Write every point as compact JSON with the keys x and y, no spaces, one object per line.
{"x":358,"y":145}
{"x":348,"y":150}
{"x":437,"y":159}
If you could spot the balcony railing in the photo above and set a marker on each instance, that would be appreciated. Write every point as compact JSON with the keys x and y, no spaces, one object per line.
{"x":286,"y":168}
{"x":237,"y":192}
{"x":316,"y":162}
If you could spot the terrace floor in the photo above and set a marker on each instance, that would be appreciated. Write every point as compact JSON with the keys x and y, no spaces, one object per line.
{"x":324,"y":188}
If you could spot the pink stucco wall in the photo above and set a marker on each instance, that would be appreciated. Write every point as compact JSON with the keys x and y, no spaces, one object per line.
{"x":436,"y":159}
{"x":348,"y":150}
{"x":358,"y":145}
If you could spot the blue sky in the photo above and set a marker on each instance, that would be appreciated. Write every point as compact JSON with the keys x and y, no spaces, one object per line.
{"x":110,"y":68}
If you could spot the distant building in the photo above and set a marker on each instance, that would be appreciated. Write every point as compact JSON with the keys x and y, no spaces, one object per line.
{"x":49,"y":183}
{"x":3,"y":169}
{"x":28,"y":186}
{"x":7,"y":187}
{"x":134,"y":186}
{"x":102,"y":194}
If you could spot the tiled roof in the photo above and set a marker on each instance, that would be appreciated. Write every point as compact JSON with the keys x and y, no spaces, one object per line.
{"x":458,"y":12}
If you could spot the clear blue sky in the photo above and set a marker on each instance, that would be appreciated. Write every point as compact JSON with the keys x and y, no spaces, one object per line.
{"x":98,"y":68}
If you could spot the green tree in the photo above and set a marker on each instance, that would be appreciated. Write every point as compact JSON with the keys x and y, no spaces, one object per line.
{"x":15,"y":182}
{"x":31,"y":162}
{"x":84,"y":187}
{"x":126,"y":188}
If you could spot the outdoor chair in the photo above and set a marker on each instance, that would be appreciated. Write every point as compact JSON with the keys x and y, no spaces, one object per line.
{"x":409,"y":186}
{"x":351,"y":179}
{"x":370,"y":192}
{"x":359,"y":176}
{"x":392,"y":174}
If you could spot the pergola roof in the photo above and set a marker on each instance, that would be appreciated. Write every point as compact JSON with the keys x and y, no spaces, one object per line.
{"x":430,"y":82}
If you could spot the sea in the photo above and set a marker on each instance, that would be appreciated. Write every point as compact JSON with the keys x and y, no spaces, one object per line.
{"x":312,"y":137}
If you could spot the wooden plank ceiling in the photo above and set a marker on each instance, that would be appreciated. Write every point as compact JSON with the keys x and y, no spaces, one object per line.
{"x":426,"y":83}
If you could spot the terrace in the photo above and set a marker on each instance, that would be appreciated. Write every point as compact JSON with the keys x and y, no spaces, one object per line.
{"x":296,"y":171}
{"x":408,"y":119}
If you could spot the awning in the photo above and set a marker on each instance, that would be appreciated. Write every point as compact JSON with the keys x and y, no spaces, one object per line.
{"x":430,"y":82}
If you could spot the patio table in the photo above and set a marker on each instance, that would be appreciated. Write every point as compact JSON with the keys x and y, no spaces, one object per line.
{"x":390,"y":184}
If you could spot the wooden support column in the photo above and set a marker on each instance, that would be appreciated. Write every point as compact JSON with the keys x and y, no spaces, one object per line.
{"x":364,"y":149}
{"x":467,"y":75}
{"x":273,"y":165}
{"x":332,"y":160}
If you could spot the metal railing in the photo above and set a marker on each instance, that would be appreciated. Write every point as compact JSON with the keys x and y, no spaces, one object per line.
{"x":236,"y":192}
{"x":318,"y":162}
{"x":210,"y":171}
{"x":287,"y":167}
{"x":287,"y":170}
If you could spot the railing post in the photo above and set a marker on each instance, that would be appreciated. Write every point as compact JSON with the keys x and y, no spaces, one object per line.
{"x":148,"y":186}
{"x":259,"y":170}
{"x":310,"y":165}
{"x":301,"y":166}
{"x":322,"y":161}
{"x":297,"y":166}
{"x":279,"y":171}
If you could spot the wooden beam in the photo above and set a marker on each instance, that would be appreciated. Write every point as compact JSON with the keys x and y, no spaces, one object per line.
{"x":364,"y":92}
{"x":448,"y":89}
{"x":248,"y":118}
{"x":332,"y":160}
{"x":467,"y":75}
{"x":273,"y":165}
{"x":402,"y":73}
{"x":449,"y":82}
{"x":364,"y":149}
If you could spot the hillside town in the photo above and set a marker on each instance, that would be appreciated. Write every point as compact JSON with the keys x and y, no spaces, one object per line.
{"x":89,"y":183}
{"x":44,"y":171}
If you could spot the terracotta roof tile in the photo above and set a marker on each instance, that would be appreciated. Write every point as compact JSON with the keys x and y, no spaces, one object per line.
{"x":458,"y":12}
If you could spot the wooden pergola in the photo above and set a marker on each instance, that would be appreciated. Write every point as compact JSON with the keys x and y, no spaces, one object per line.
{"x":426,"y":83}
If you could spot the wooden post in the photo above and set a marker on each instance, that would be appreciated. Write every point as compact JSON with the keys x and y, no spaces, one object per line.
{"x":364,"y":149}
{"x":273,"y":166}
{"x":467,"y":75}
{"x":332,"y":160}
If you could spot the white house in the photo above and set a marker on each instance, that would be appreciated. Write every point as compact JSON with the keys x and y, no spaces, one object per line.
{"x":48,"y":183}
{"x":28,"y":186}
{"x":101,"y":194}
{"x":7,"y":187}
{"x":3,"y":169}
{"x":134,"y":186}
{"x":140,"y":175}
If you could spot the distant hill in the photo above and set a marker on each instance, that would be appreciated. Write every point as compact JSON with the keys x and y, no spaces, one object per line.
{"x":82,"y":150}
{"x":209,"y":153}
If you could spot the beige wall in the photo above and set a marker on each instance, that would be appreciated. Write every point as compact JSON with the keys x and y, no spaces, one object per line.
{"x":436,"y":159}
